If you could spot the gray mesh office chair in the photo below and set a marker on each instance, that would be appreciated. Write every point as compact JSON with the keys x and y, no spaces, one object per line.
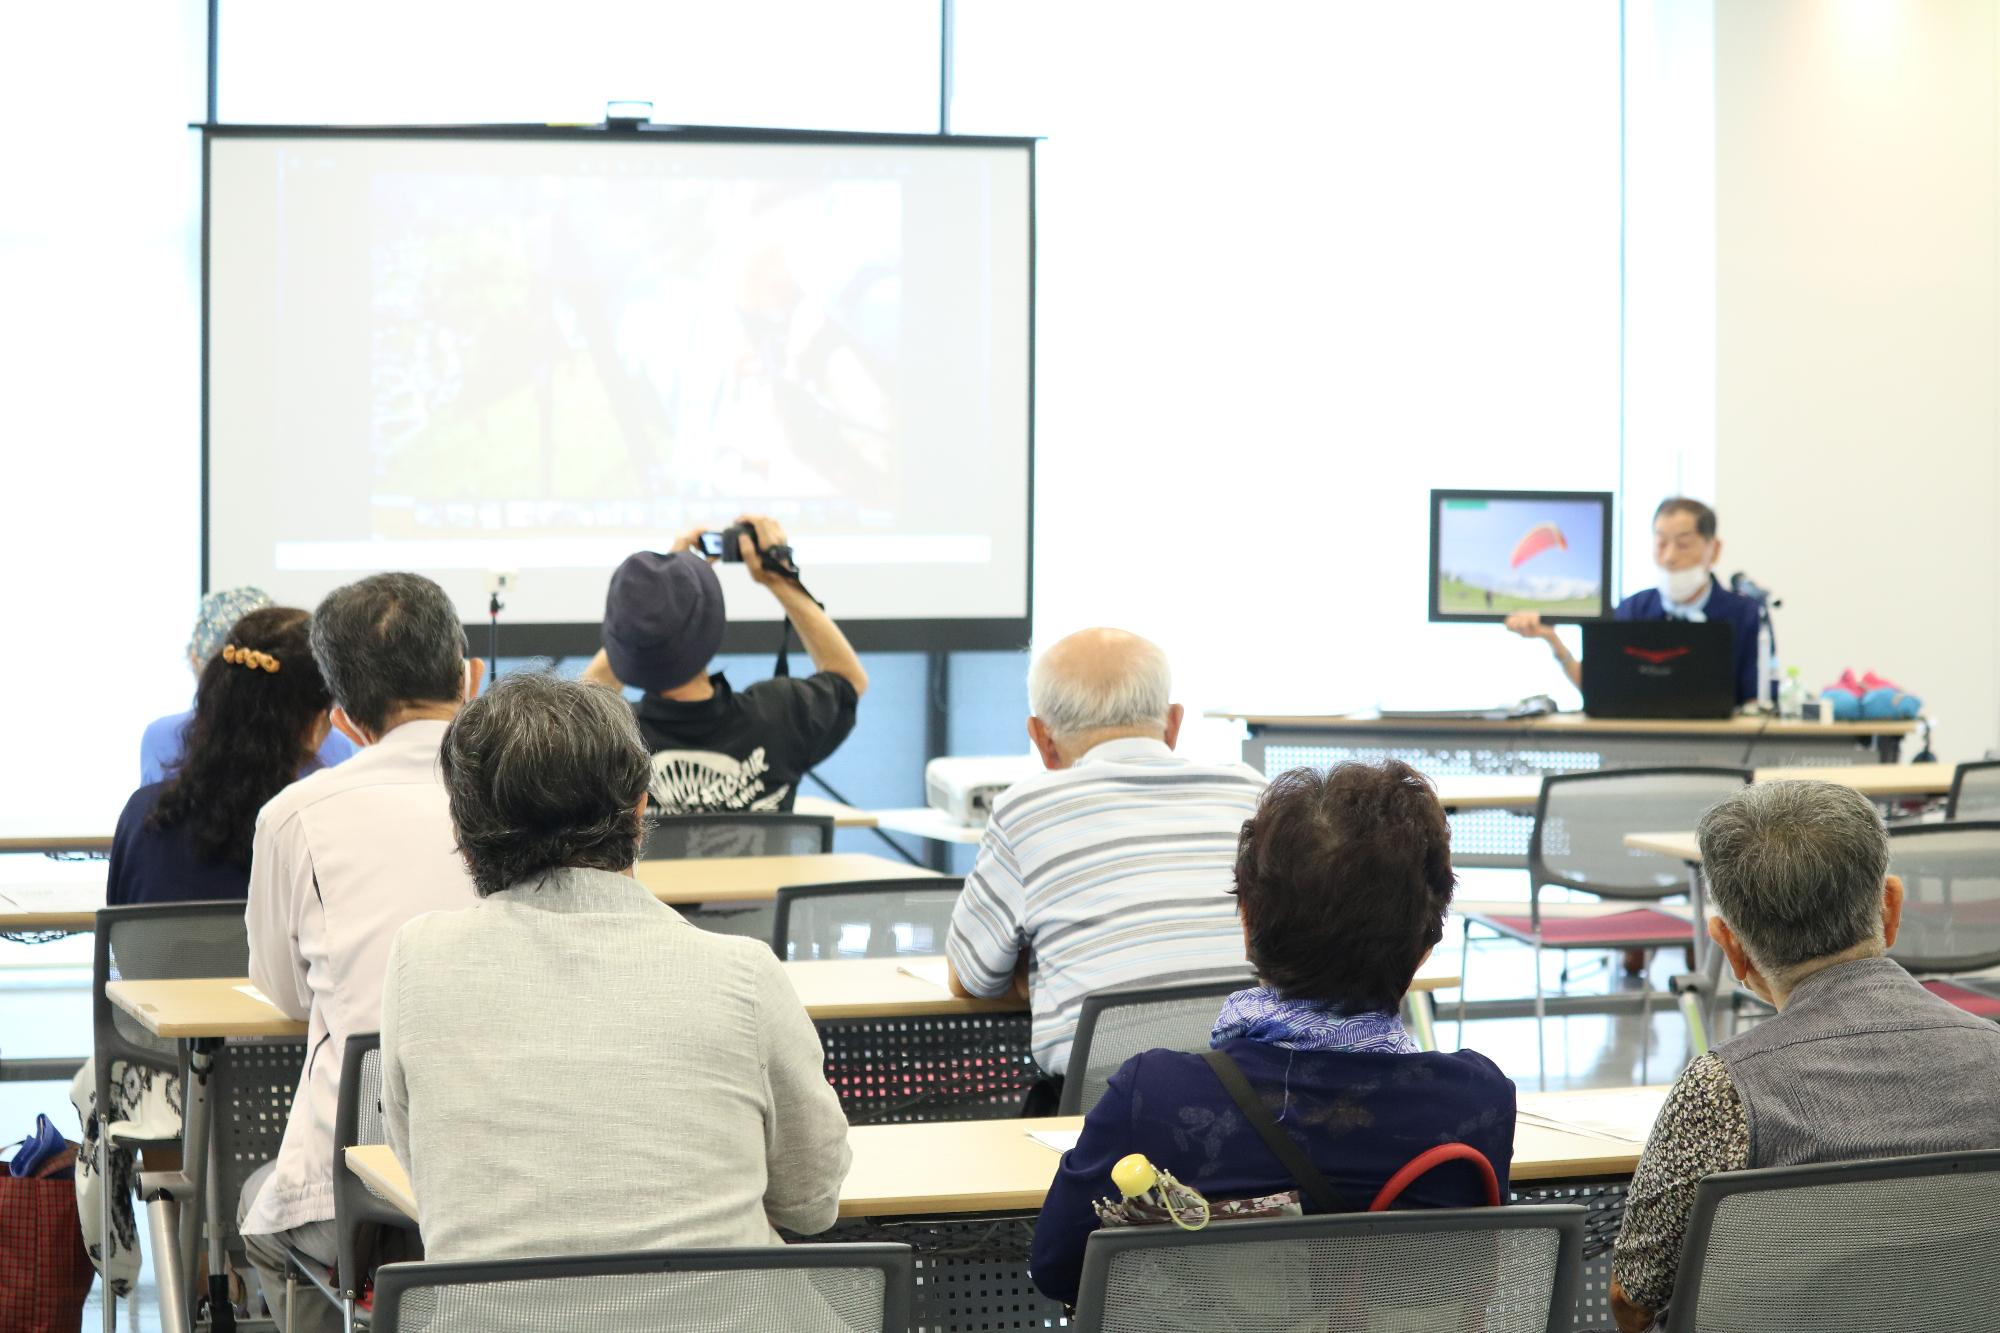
{"x":359,"y":1213}
{"x":1951,"y":909}
{"x":697,"y":837}
{"x":702,"y":837}
{"x":1578,"y":842}
{"x":251,"y":1089}
{"x":876,"y":918}
{"x":1116,"y":1025}
{"x":1975,"y":791}
{"x":1493,"y":1270}
{"x":1851,"y":1247}
{"x":859,"y":1288}
{"x":149,"y":942}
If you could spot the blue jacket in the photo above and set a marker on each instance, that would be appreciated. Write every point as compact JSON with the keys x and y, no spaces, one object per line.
{"x":1358,"y":1115}
{"x":1723,"y":606}
{"x":151,"y":866}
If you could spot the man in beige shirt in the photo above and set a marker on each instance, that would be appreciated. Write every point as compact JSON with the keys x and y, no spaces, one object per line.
{"x":342,"y":859}
{"x":570,"y":1067}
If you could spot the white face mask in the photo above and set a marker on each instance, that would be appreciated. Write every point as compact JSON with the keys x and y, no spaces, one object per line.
{"x":1683,"y":585}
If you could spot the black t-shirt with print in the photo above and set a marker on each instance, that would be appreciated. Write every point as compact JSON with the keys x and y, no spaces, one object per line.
{"x":743,"y":751}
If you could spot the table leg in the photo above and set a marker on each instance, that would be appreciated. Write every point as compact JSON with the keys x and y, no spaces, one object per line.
{"x":221,"y":1314}
{"x":197,"y":1145}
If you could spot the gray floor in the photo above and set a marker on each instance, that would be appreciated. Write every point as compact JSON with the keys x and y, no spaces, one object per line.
{"x":45,"y":1011}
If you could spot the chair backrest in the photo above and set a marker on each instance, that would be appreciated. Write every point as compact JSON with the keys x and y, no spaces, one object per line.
{"x":250,"y":1092}
{"x":1116,"y":1025}
{"x":151,"y":942}
{"x":357,"y":1119}
{"x":1581,"y":820}
{"x":1951,"y":895}
{"x":858,"y":1288}
{"x":1497,"y":1270}
{"x":1975,"y":791}
{"x":700,"y":837}
{"x":875,"y":918}
{"x":1851,"y":1247}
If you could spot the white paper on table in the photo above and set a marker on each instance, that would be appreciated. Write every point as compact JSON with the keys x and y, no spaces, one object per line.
{"x":255,"y":994}
{"x":1624,"y":1114}
{"x":54,"y":897}
{"x":933,"y":970}
{"x":1061,"y":1140}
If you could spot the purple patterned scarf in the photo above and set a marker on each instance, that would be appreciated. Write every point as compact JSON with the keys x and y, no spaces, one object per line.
{"x":1261,"y":1014}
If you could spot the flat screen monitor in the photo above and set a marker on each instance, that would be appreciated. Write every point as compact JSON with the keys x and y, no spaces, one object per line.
{"x":1497,"y":552}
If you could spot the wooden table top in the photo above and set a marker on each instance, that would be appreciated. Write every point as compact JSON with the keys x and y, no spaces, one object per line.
{"x":844,"y":816}
{"x":924,"y":822}
{"x":975,"y":1166}
{"x":202,"y":1007}
{"x":757,"y":879}
{"x":1571,"y":723}
{"x":55,"y":842}
{"x":1880,"y":781}
{"x":1680,"y":846}
{"x":26,"y":908}
{"x":192,"y":1007}
{"x":733,"y":879}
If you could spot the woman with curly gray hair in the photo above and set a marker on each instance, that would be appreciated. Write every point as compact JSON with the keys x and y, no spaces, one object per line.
{"x":571,"y":1004}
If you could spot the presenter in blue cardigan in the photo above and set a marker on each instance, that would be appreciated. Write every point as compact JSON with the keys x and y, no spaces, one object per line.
{"x":1686,"y":549}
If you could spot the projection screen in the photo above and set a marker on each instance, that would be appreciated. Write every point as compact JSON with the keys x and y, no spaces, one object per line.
{"x":537,"y":350}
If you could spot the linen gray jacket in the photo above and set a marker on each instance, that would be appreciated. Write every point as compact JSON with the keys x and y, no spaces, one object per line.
{"x":571,"y":1068}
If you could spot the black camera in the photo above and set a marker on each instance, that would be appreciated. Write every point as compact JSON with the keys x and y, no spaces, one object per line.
{"x":725,"y":546}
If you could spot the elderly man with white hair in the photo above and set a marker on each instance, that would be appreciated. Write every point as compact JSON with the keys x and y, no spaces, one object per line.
{"x":1113,"y":868}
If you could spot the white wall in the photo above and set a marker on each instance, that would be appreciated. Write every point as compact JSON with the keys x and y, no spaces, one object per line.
{"x":1856,"y":339}
{"x":1298,"y":268}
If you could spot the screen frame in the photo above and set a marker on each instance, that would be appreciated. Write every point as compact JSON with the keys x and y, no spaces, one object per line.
{"x":1603,"y":499}
{"x":561,"y":639}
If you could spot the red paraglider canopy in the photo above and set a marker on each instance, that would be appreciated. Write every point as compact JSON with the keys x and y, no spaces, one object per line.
{"x":1538,"y":539}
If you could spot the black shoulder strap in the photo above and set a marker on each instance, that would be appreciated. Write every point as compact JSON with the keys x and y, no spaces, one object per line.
{"x":1304,"y":1174}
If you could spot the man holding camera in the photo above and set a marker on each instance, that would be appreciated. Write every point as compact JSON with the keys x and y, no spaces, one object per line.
{"x":714,"y":748}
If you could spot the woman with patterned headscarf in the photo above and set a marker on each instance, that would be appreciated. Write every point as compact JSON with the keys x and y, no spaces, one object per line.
{"x":161,"y":747}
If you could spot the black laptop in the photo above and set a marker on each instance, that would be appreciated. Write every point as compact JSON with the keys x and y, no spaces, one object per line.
{"x":1681,"y":669}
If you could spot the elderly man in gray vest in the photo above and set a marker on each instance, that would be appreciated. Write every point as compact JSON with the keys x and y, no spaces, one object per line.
{"x":1859,"y":1062}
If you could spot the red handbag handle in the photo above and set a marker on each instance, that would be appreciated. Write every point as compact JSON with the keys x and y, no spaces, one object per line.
{"x":1424,"y":1161}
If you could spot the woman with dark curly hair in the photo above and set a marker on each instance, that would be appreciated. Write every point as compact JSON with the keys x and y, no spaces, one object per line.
{"x":260,"y":715}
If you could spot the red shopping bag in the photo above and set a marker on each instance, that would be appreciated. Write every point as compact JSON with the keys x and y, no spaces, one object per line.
{"x":45,"y":1272}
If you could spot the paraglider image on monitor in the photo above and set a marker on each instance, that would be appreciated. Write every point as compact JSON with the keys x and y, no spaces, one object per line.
{"x":1497,"y":552}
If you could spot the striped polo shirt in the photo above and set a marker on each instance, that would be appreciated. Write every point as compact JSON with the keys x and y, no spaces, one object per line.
{"x":1113,"y":872}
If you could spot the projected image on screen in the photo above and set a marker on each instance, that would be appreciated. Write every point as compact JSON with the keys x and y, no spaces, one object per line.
{"x":616,"y":355}
{"x":1497,"y":553}
{"x":464,"y":354}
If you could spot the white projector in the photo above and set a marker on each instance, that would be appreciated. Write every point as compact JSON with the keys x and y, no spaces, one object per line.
{"x":964,"y":789}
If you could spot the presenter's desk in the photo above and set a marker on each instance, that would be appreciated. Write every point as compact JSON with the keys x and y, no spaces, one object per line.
{"x":1440,"y":746}
{"x":963,"y":1195}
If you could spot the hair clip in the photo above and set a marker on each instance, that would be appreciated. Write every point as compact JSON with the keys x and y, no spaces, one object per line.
{"x":249,"y":657}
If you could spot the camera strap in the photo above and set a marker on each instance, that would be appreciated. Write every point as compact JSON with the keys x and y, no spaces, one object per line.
{"x":783,"y":666}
